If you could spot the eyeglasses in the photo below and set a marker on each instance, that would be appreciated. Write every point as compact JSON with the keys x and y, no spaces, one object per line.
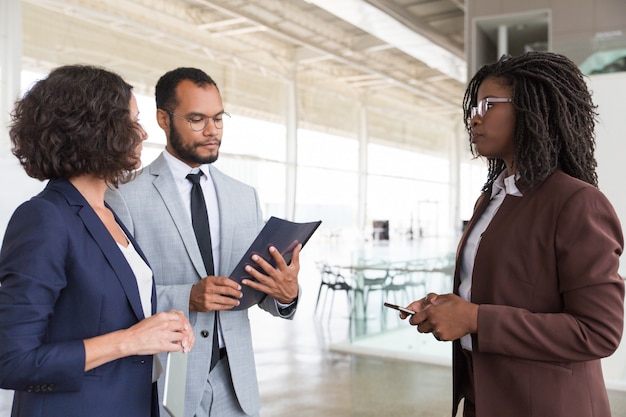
{"x":200,"y":122}
{"x":483,"y":105}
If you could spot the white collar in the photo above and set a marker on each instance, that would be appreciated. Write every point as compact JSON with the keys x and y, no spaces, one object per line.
{"x":180,"y":169}
{"x":506,"y":184}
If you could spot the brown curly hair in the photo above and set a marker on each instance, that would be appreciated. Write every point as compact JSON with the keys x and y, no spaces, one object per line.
{"x":74,"y":122}
{"x":555,"y":117}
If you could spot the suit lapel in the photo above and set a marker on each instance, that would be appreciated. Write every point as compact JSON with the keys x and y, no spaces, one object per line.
{"x":105,"y":241}
{"x":227,"y":222}
{"x":166,"y":187}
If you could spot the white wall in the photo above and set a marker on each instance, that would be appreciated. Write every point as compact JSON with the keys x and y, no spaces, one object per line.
{"x":15,"y":185}
{"x":609,"y":93}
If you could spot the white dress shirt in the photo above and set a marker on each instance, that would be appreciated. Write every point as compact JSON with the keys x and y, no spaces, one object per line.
{"x":501,"y":187}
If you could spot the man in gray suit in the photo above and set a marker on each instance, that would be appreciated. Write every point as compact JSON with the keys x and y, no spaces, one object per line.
{"x":156,"y":207}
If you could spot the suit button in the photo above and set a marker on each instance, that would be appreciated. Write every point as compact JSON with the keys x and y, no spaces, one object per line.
{"x":30,"y":388}
{"x":204,"y":333}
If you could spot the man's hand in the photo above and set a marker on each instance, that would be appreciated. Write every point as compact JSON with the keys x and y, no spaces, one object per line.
{"x":281,"y":282}
{"x":214,"y":293}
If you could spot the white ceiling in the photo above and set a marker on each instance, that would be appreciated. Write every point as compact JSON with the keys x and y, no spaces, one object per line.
{"x":402,"y":60}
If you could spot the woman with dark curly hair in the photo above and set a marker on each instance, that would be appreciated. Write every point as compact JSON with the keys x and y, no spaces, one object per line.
{"x":78,"y":328}
{"x":538,"y":300}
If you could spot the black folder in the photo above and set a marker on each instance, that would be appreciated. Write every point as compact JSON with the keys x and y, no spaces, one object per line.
{"x":284,"y":236}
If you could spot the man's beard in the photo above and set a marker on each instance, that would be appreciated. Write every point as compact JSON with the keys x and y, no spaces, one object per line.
{"x":187,"y":152}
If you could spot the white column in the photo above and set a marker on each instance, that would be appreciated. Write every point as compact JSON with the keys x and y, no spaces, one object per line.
{"x":363,"y":140}
{"x":503,"y":40}
{"x":455,"y":178}
{"x":291,"y":157}
{"x":10,"y":65}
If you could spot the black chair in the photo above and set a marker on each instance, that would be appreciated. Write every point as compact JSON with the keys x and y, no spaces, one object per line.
{"x":331,"y":279}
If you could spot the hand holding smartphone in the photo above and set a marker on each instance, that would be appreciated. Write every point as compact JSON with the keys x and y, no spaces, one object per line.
{"x":397,"y":307}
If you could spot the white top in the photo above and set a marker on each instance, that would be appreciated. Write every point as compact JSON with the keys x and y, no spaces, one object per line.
{"x":143,"y":275}
{"x":501,"y":187}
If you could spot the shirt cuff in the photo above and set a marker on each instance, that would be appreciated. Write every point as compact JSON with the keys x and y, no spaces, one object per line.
{"x":286,"y":307}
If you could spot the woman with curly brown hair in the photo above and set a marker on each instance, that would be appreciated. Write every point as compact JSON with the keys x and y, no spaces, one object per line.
{"x":78,"y":328}
{"x":538,"y":300}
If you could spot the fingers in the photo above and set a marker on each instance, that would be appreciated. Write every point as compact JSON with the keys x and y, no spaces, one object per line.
{"x":281,"y":282}
{"x":281,"y":263}
{"x":295,"y":256}
{"x":447,"y":316}
{"x":178,"y":332}
{"x":188,"y":336}
{"x":214,"y":293}
{"x":162,"y":332}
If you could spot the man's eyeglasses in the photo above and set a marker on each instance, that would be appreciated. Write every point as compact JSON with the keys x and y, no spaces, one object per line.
{"x":200,"y":122}
{"x":483,"y":105}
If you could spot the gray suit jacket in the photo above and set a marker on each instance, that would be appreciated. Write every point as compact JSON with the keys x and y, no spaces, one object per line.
{"x":151,"y":208}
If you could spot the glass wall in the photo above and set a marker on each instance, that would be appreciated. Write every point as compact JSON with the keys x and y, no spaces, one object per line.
{"x":410,"y":190}
{"x":327,"y":183}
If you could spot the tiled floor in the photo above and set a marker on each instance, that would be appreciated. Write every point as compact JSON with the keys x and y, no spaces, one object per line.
{"x":307,"y":367}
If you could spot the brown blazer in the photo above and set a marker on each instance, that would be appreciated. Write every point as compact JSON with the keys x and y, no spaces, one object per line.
{"x":551,"y":303}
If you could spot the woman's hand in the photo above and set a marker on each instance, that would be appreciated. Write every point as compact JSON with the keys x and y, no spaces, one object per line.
{"x":163,"y":332}
{"x":447,"y":317}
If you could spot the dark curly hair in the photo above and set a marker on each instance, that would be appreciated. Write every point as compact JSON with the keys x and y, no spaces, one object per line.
{"x":74,"y":122}
{"x":165,"y":90}
{"x":555,"y":117}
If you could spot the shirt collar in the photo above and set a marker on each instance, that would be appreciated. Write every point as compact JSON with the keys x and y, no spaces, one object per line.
{"x":506,"y":184}
{"x":180,"y":169}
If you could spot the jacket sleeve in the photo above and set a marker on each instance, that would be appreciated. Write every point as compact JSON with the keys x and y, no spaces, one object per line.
{"x":587,"y":244}
{"x":32,"y":275}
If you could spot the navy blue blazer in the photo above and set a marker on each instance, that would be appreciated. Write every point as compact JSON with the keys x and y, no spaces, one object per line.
{"x":63,"y":279}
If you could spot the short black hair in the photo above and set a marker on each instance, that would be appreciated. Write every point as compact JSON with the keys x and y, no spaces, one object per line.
{"x":555,"y":117}
{"x":165,"y":91}
{"x":76,"y":121}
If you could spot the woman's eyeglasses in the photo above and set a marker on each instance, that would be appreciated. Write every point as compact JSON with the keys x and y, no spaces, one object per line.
{"x":483,"y":105}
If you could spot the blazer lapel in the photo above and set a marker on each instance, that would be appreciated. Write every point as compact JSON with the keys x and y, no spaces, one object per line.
{"x":105,"y":241}
{"x":227,"y":222}
{"x":481,"y":205}
{"x":166,"y":187}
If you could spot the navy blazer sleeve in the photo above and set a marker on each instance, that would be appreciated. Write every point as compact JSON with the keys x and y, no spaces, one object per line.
{"x":32,"y":276}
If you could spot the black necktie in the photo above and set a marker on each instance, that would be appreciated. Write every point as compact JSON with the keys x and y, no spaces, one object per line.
{"x":200,"y":223}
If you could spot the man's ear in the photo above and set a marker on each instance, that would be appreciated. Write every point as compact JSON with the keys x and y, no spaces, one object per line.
{"x":163,"y":119}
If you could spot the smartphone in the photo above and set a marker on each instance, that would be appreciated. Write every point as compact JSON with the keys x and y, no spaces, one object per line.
{"x":397,"y":307}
